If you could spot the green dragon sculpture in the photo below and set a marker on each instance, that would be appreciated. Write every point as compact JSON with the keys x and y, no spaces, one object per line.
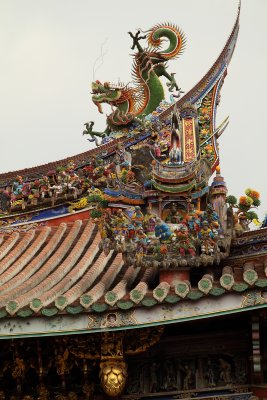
{"x":147,"y":91}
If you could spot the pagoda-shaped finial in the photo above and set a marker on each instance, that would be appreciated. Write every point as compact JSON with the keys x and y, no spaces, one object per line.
{"x":218,"y":192}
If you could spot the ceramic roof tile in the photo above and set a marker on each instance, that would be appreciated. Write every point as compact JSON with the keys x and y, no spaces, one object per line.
{"x":20,"y":263}
{"x":19,"y":250}
{"x":37,"y":283}
{"x":69,"y":275}
{"x":1,"y":239}
{"x":88,"y":278}
{"x":108,"y":278}
{"x":46,"y":290}
{"x":138,"y":292}
{"x":59,"y":267}
{"x":8,"y":244}
{"x":120,"y":289}
{"x":17,"y":284}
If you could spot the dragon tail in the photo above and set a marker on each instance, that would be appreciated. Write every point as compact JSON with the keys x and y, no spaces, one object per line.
{"x":176,"y":38}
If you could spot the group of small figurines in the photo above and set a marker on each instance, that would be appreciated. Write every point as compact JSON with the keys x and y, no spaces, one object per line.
{"x":171,"y":374}
{"x":23,"y":192}
{"x":67,"y":183}
{"x":189,"y":234}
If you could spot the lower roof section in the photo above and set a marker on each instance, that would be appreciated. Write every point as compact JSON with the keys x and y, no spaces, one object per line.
{"x":208,"y":307}
{"x":58,"y":280}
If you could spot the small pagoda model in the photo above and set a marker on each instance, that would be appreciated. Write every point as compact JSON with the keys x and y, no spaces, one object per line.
{"x":128,"y":271}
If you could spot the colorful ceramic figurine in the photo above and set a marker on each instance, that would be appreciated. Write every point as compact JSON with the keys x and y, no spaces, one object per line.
{"x":150,"y":223}
{"x":163,"y":231}
{"x":207,"y":236}
{"x":138,"y":216}
{"x":185,"y":243}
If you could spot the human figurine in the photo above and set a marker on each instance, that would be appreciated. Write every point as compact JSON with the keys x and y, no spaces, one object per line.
{"x":17,"y":185}
{"x":138,"y":216}
{"x":215,"y":228}
{"x":188,"y":377}
{"x":119,"y":223}
{"x":72,"y":183}
{"x":139,"y":253}
{"x":122,"y":159}
{"x":210,"y":375}
{"x":4,"y":200}
{"x":193,"y":220}
{"x":225,"y":371}
{"x":169,"y":375}
{"x":19,"y":368}
{"x":111,"y":179}
{"x":61,"y":362}
{"x":162,"y":231}
{"x":153,"y":386}
{"x":44,"y":187}
{"x":149,"y":223}
{"x":157,"y":150}
{"x":131,"y":232}
{"x":185,"y":243}
{"x":173,"y":216}
{"x":210,"y":215}
{"x":206,"y":237}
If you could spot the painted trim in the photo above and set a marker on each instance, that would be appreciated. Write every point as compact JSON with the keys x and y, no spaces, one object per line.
{"x":115,"y":328}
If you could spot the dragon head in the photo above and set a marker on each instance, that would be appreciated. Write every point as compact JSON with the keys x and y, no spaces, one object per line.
{"x":105,"y":93}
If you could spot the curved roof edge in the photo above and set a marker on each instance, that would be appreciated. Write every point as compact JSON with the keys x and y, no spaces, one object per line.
{"x":214,"y":73}
{"x":193,"y":95}
{"x":80,"y":159}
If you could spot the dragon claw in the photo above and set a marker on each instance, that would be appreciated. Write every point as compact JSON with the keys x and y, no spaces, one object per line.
{"x":172,"y":84}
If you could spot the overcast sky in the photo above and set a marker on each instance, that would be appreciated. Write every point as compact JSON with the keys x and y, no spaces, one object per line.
{"x":49,"y":49}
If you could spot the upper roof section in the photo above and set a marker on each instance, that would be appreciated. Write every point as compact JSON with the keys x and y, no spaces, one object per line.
{"x":213,"y":78}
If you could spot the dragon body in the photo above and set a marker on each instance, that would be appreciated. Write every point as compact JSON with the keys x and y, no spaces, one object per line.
{"x":149,"y":64}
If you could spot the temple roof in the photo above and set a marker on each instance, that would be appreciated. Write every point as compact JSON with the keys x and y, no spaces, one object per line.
{"x":213,"y":79}
{"x":55,"y":261}
{"x":51,"y":270}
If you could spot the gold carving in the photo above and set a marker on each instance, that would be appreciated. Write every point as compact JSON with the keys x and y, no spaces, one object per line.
{"x":113,"y":369}
{"x":111,"y":345}
{"x":61,"y":363}
{"x":145,"y":339}
{"x":113,"y":375}
{"x":86,"y":347}
{"x":19,"y":368}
